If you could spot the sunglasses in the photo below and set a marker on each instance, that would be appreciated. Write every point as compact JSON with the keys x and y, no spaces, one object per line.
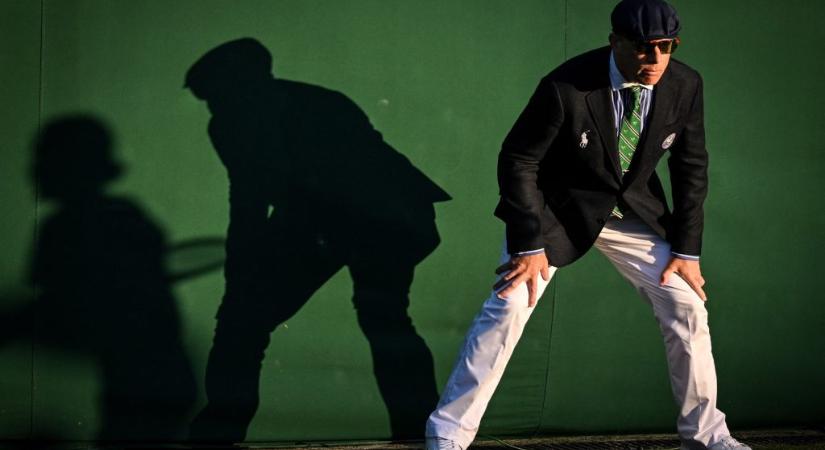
{"x":666,"y":47}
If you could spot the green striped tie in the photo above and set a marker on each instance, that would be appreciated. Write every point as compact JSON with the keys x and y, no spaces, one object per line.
{"x":629,"y":135}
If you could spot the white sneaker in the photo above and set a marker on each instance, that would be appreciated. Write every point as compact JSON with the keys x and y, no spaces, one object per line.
{"x":729,"y":443}
{"x":439,"y":443}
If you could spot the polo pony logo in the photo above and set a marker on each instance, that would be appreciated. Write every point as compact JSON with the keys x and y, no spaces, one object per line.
{"x":583,"y":142}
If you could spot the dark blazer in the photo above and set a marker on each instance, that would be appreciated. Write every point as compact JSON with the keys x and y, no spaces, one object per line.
{"x":557,"y":194}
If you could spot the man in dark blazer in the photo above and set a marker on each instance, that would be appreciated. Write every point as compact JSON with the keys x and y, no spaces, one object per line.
{"x":577,"y":170}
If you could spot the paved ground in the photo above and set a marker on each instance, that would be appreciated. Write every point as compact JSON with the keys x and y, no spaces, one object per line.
{"x":759,"y":440}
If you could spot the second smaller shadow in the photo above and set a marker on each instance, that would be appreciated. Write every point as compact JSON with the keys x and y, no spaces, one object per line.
{"x":102,"y":288}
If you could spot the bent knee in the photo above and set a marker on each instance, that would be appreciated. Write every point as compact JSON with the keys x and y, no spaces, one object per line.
{"x":503,"y":309}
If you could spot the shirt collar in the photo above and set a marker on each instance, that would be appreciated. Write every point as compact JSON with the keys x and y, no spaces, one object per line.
{"x":617,"y":81}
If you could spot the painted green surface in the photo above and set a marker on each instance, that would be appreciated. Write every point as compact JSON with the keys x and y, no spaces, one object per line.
{"x":442,"y":81}
{"x":19,"y":83}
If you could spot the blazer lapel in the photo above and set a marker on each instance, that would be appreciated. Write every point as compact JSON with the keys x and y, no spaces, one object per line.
{"x":600,"y":103}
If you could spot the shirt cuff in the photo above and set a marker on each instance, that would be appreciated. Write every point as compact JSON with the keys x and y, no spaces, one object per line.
{"x":529,"y":252}
{"x":687,"y":257}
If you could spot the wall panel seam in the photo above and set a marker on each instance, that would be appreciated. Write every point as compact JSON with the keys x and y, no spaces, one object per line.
{"x":36,"y":224}
{"x":555,"y":279}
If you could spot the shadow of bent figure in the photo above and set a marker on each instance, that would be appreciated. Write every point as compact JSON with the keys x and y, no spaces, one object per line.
{"x":103,"y":291}
{"x":339,"y":196}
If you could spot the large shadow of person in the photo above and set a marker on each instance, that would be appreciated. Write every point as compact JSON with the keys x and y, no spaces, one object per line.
{"x":313,"y":188}
{"x":102,"y":289}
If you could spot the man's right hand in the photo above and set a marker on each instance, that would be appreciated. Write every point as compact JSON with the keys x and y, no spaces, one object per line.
{"x":523,"y":269}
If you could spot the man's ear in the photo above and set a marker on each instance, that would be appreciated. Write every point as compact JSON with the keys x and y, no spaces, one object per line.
{"x":613,"y":39}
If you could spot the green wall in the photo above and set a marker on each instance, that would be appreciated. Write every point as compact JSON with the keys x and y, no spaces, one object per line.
{"x":443,"y":81}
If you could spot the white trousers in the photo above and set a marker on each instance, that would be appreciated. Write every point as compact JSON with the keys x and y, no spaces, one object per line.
{"x":640,"y":256}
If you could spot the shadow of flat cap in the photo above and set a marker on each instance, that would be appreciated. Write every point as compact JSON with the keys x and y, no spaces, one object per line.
{"x":229,"y":66}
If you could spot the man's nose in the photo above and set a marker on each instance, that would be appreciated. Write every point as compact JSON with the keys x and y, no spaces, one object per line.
{"x":654,"y":55}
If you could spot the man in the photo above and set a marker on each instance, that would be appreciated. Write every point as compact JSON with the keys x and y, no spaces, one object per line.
{"x":313,"y":188}
{"x":578,"y":170}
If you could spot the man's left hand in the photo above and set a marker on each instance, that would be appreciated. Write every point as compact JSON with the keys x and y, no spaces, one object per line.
{"x":689,"y":271}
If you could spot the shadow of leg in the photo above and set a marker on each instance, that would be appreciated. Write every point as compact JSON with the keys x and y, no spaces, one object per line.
{"x":402,"y":362}
{"x":294,"y":270}
{"x":232,"y":376}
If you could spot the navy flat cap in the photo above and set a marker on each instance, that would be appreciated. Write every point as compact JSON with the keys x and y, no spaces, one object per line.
{"x":645,"y":20}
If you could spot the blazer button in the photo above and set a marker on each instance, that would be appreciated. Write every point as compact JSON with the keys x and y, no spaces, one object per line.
{"x":600,"y":221}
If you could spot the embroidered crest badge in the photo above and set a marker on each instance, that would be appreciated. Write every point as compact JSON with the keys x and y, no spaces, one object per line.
{"x":668,"y":141}
{"x":583,"y":142}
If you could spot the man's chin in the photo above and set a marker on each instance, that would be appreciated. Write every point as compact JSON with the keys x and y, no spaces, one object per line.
{"x":649,"y":79}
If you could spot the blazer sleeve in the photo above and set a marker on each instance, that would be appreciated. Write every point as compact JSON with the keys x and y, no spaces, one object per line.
{"x":526,"y":145}
{"x":688,"y":165}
